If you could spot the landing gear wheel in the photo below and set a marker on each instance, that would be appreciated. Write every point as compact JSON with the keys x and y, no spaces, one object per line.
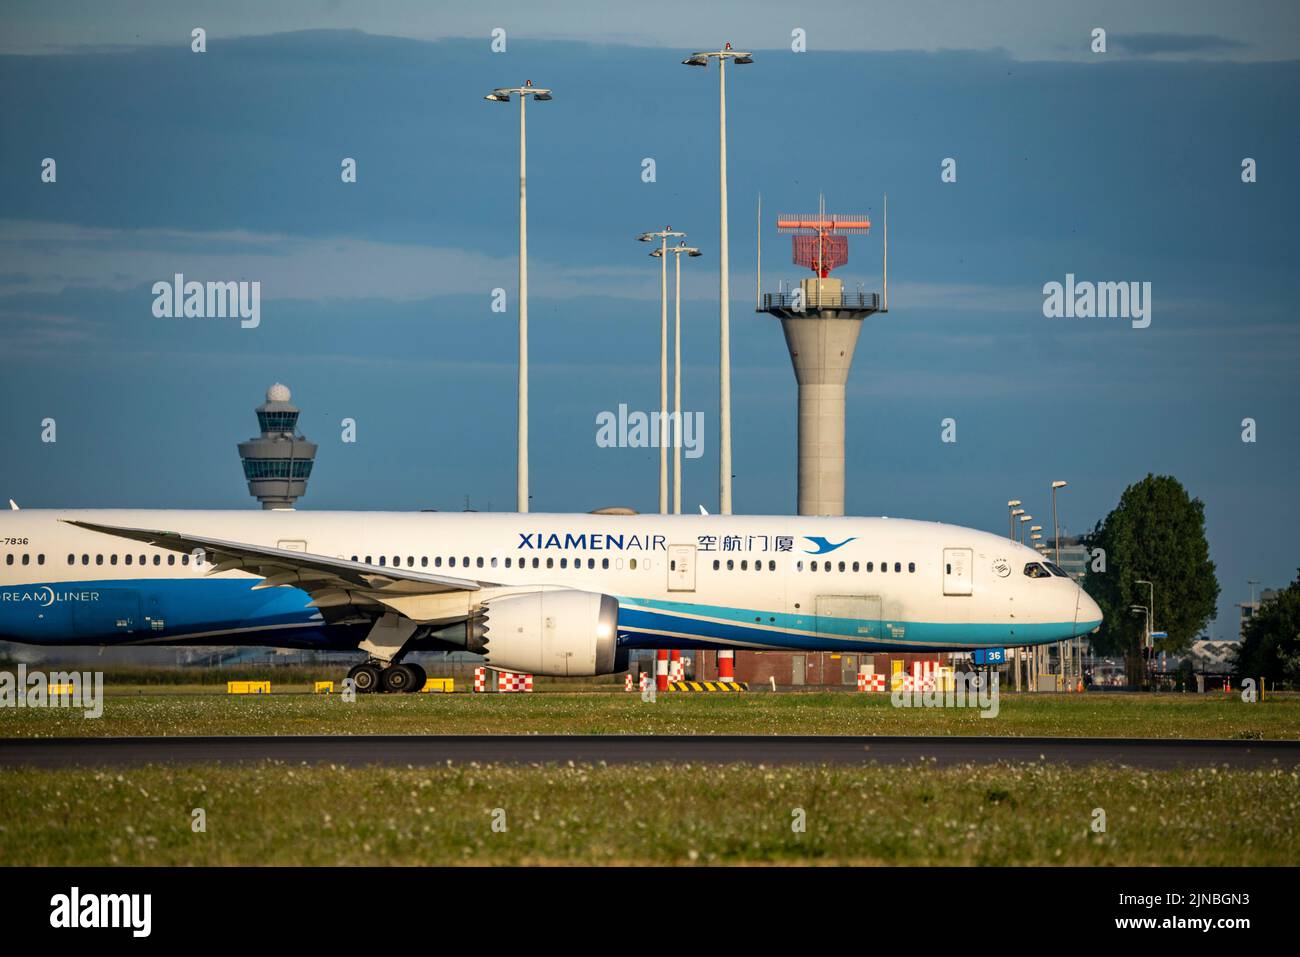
{"x":365,"y":678}
{"x":420,"y":677}
{"x":398,"y":679}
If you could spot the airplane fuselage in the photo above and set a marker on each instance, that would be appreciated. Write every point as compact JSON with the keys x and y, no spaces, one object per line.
{"x":860,"y":584}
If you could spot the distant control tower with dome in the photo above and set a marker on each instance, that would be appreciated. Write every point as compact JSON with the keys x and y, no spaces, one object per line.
{"x":278,"y":462}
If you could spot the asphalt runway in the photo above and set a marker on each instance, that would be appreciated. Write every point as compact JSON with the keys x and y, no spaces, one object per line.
{"x":426,"y":750}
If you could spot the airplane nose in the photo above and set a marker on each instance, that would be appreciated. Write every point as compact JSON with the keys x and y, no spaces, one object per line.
{"x":1087,"y":613}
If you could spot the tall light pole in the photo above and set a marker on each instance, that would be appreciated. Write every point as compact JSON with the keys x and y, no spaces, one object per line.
{"x":662,"y":255}
{"x":1152,"y":593}
{"x":677,"y":251}
{"x":1012,"y":505}
{"x":1055,"y":525}
{"x":1023,"y":519}
{"x":502,"y":95}
{"x":724,"y":292}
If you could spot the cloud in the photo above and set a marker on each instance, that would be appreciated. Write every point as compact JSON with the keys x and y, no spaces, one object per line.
{"x":1154,"y":44}
{"x":51,"y":258}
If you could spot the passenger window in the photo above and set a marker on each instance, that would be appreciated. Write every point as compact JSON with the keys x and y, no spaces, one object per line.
{"x":855,"y":566}
{"x":744,"y":564}
{"x":535,"y":562}
{"x":85,"y":559}
{"x":550,"y":563}
{"x":871,"y":566}
{"x":128,"y":559}
{"x":185,"y":559}
{"x":798,"y":566}
{"x":72,"y":559}
{"x":716,"y":564}
{"x":841,"y":566}
{"x":564,"y":563}
{"x":171,"y":559}
{"x":911,"y":566}
{"x":157,"y":559}
{"x":771,"y":565}
{"x":631,"y":564}
{"x":604,"y":563}
{"x":898,"y":566}
{"x":383,"y":559}
{"x":480,"y":561}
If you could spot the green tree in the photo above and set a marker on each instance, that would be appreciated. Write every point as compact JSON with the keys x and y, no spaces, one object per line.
{"x":1156,"y":533}
{"x":1270,"y":644}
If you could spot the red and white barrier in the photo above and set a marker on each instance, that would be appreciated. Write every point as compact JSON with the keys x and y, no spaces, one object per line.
{"x":661,"y":669}
{"x":510,"y":681}
{"x":676,"y":667}
{"x":627,"y":681}
{"x":646,"y":680}
{"x":480,"y":679}
{"x":870,"y":682}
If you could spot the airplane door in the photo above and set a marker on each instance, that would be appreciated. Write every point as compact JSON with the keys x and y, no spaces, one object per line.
{"x":958,"y":571}
{"x":681,"y":568}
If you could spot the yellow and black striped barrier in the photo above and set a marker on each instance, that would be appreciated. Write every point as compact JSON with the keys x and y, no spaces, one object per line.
{"x":707,"y":686}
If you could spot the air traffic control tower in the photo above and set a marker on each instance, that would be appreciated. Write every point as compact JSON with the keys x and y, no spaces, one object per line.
{"x":278,"y":462}
{"x":821,"y":323}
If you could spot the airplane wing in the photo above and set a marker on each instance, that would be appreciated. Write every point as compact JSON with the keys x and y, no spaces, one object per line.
{"x":335,"y":584}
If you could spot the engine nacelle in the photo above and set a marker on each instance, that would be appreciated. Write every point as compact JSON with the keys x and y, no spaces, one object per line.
{"x":562,"y":632}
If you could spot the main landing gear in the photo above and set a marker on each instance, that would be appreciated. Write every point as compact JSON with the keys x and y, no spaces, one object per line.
{"x":390,"y":679}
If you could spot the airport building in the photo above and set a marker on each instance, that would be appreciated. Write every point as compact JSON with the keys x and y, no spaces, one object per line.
{"x":278,"y":462}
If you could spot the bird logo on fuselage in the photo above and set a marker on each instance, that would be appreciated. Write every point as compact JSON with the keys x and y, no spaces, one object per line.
{"x":824,"y":545}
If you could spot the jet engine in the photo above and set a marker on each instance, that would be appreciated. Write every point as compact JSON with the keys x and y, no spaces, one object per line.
{"x":561,"y":632}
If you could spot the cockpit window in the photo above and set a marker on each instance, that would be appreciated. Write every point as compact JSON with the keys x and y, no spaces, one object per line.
{"x":1035,"y":570}
{"x":1056,"y":570}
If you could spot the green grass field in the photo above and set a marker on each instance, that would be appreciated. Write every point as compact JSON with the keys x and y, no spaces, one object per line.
{"x":139,"y":711}
{"x":654,"y":814}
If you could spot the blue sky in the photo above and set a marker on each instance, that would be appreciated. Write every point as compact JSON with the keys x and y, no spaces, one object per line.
{"x":225,"y":165}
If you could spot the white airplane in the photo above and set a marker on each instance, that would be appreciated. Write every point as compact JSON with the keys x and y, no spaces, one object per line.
{"x":557,"y":594}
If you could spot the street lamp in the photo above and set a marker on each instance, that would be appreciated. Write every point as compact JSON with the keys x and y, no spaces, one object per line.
{"x":724,"y":308}
{"x":662,"y":235}
{"x":677,"y":251}
{"x":1152,"y":592}
{"x":1055,"y":526}
{"x":502,"y":95}
{"x":1011,"y":518}
{"x":1023,"y":519}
